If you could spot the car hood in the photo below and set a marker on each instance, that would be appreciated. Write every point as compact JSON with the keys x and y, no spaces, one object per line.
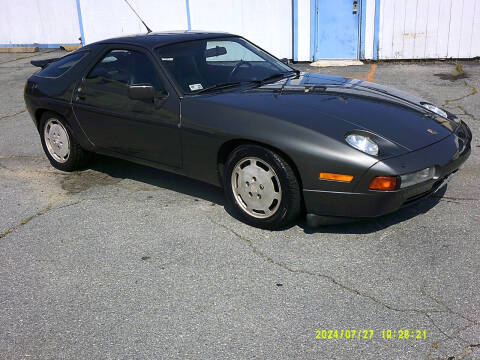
{"x":319,"y":101}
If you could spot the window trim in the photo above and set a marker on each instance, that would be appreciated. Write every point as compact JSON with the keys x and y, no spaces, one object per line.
{"x":86,"y":53}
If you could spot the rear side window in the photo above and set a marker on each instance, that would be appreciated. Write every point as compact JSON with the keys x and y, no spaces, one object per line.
{"x":61,"y":66}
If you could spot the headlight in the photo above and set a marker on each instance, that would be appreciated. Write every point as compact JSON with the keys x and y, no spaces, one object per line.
{"x":362,"y":143}
{"x":435,"y":110}
{"x":417,"y":177}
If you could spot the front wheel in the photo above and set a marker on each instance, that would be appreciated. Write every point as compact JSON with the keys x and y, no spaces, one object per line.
{"x":261,"y":187}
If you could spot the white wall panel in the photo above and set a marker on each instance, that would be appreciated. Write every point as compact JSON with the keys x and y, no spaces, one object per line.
{"x":455,"y":28}
{"x":109,"y":18}
{"x":398,"y":28}
{"x":31,"y":21}
{"x":303,"y":30}
{"x":414,"y":29}
{"x":369,"y":28}
{"x":475,"y":43}
{"x":466,"y":32}
{"x":433,"y":19}
{"x":409,"y":28}
{"x":267,"y":23}
{"x":443,"y":28}
{"x":385,"y":36}
{"x":421,"y":24}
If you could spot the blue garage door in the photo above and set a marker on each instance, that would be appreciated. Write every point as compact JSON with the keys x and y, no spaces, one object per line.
{"x":336,"y":29}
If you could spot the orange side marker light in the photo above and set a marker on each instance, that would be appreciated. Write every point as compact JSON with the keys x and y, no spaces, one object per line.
{"x":335,"y":177}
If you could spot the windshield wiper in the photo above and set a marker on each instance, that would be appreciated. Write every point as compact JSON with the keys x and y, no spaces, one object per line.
{"x":278,"y":75}
{"x":271,"y":77}
{"x":226,"y":85}
{"x":218,"y":86}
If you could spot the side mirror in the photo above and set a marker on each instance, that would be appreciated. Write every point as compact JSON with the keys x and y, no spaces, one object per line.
{"x":284,"y":60}
{"x":141,"y":92}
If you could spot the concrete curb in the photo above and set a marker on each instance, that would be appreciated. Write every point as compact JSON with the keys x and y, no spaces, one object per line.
{"x":336,"y":62}
{"x":70,"y":47}
{"x":18,"y":49}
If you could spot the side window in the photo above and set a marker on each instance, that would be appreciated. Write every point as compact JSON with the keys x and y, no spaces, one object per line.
{"x":62,"y":65}
{"x":125,"y":67}
{"x":113,"y":67}
{"x":229,"y":51}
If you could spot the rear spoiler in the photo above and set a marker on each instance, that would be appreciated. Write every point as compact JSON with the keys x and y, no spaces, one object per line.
{"x":43,"y":63}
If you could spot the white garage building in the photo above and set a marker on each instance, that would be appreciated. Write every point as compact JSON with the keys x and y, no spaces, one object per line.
{"x":303,"y":30}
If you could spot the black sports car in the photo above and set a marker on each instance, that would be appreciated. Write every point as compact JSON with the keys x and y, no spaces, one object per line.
{"x":217,"y":108}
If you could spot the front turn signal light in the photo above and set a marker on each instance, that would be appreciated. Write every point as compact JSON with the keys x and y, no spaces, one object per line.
{"x":336,"y":177}
{"x":383,"y":183}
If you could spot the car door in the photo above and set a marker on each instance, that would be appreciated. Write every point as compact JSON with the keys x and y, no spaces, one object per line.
{"x":141,"y":128}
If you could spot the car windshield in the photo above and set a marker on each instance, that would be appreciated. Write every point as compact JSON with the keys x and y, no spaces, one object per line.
{"x":201,"y":65}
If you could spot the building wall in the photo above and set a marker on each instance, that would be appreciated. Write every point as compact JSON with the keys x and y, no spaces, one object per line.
{"x":303,"y":30}
{"x":418,"y":29}
{"x":267,"y":23}
{"x":369,"y":32}
{"x":103,"y":19}
{"x":25,"y":22}
{"x":390,"y":29}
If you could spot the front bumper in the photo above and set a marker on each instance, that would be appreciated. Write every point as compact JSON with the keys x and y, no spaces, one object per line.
{"x":447,"y":156}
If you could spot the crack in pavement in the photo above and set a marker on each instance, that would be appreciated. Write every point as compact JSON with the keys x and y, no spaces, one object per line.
{"x":46,"y":209}
{"x":26,"y":220}
{"x":451,"y":337}
{"x":473,"y":91}
{"x":458,"y":198}
{"x":2,"y":117}
{"x":442,"y":304}
{"x":466,"y":113}
{"x":13,"y":156}
{"x":38,"y":171}
{"x":454,"y":336}
{"x":426,"y":312}
{"x":453,"y":199}
{"x":50,"y":207}
{"x":466,"y":351}
{"x":330,"y":278}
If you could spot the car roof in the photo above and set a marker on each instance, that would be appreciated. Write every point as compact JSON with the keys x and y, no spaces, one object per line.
{"x":155,"y":39}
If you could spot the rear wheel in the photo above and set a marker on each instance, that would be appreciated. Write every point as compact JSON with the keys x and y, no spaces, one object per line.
{"x":59,"y":145}
{"x":261,"y":187}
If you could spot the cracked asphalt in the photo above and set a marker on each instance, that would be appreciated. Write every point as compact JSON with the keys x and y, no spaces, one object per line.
{"x":124,"y":261}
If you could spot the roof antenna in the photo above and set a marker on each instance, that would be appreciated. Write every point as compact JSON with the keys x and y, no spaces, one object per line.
{"x":143,"y":22}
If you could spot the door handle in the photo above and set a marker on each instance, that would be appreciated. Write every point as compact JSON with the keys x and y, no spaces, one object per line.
{"x":80,"y":94}
{"x":355,"y":6}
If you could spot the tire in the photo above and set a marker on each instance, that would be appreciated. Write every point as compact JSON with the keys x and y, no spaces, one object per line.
{"x":261,"y":187}
{"x":61,"y":148}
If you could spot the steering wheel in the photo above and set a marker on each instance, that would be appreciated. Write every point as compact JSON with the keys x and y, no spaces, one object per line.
{"x":236,"y":67}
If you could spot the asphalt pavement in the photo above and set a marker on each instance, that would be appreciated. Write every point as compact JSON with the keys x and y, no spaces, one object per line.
{"x":123,"y":261}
